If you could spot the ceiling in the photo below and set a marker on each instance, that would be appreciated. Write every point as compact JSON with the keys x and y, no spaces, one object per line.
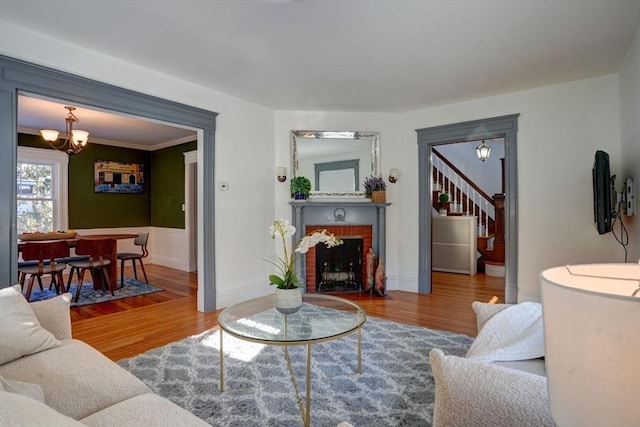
{"x":349,"y":55}
{"x":103,"y":127}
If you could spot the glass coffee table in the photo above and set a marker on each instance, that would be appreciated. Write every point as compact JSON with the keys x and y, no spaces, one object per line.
{"x":321,"y":318}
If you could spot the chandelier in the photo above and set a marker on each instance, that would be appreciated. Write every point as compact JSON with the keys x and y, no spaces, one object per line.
{"x":483,"y":151}
{"x":75,"y":139}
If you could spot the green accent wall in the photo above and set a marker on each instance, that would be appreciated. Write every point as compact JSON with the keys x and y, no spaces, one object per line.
{"x":159,"y":206}
{"x":167,"y":193}
{"x":88,"y":209}
{"x":32,"y":141}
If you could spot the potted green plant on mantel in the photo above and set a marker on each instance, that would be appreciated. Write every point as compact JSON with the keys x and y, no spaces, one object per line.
{"x":287,"y":297}
{"x":375,"y":188}
{"x":300,"y":187}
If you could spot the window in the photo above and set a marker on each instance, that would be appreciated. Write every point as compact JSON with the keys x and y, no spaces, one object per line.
{"x":41,"y":190}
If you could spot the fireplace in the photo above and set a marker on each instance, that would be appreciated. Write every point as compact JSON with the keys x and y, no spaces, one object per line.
{"x":360,"y":224}
{"x":350,"y":257}
{"x":340,"y":269}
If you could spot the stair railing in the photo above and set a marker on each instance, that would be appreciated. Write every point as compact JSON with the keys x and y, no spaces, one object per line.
{"x":465,"y":195}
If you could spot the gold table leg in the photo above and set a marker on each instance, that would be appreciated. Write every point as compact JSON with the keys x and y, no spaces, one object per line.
{"x":221,"y":364}
{"x":307,"y":415}
{"x":360,"y":350}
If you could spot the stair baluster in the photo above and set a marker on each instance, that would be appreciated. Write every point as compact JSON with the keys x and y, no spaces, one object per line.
{"x":466,"y":198}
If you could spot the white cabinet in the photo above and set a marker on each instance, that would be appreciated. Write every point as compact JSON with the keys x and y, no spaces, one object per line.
{"x":454,"y":241}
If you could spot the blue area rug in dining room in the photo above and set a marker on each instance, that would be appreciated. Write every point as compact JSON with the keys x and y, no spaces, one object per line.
{"x":88,"y":295}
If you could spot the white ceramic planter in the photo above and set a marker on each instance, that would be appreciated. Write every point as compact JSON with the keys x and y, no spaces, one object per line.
{"x":287,"y":301}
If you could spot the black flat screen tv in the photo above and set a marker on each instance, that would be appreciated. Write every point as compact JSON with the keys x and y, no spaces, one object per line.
{"x":602,"y":206}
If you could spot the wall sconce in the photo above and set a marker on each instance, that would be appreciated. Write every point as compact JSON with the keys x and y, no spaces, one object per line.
{"x":282,"y":174}
{"x":393,"y":175}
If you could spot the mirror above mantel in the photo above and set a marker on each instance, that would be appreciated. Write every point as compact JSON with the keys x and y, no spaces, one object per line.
{"x":336,"y":162}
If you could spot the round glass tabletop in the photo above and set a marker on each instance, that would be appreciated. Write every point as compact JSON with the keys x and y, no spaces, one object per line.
{"x":321,"y":318}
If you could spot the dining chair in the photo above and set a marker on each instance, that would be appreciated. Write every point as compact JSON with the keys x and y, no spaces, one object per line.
{"x":68,"y":260}
{"x":141,"y":241}
{"x":98,"y":251}
{"x":40,"y":260}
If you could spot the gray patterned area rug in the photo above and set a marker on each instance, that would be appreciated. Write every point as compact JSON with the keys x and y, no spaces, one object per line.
{"x":396,"y":387}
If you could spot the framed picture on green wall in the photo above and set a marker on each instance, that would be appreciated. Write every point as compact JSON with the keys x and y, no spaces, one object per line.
{"x":118,"y":177}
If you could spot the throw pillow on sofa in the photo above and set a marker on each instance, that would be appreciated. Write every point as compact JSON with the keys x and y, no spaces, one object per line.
{"x":514,"y":332}
{"x":485,"y":311}
{"x":53,"y":315}
{"x":19,"y":328}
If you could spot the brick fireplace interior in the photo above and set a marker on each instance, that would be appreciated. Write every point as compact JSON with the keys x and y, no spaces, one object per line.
{"x":352,"y":233}
{"x":339,"y":269}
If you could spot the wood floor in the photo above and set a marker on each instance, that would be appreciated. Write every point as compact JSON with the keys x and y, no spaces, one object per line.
{"x":128,"y":327}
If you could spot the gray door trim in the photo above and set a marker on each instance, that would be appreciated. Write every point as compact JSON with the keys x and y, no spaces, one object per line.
{"x":23,"y":77}
{"x":505,"y":127}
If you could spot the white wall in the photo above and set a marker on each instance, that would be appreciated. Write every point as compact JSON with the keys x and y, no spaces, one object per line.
{"x":244,"y":142}
{"x":559,"y":129}
{"x":630,"y":136}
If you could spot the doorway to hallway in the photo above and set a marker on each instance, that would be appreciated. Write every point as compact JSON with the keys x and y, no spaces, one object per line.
{"x":499,"y":127}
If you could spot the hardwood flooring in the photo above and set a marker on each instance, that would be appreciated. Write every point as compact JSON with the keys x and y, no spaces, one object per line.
{"x":128,"y":327}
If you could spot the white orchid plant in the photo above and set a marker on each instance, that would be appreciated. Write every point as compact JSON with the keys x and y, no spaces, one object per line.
{"x":286,"y":277}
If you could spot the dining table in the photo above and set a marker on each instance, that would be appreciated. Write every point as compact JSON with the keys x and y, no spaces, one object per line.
{"x":112,"y":268}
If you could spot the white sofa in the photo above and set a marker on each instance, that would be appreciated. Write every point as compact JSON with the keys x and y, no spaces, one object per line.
{"x":48,"y":378}
{"x":490,"y":392}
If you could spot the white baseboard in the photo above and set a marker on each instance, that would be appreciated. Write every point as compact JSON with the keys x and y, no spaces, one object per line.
{"x":408,"y":284}
{"x":393,"y":284}
{"x":181,"y":264}
{"x":525,"y":295}
{"x":227,"y":298}
{"x":169,"y":247}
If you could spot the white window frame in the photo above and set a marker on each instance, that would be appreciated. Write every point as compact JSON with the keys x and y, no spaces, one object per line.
{"x":59,"y":162}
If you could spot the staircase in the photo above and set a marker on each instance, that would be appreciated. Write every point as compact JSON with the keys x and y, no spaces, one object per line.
{"x":466,"y":198}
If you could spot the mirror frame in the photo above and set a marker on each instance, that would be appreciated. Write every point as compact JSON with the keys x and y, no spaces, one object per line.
{"x":373,"y":137}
